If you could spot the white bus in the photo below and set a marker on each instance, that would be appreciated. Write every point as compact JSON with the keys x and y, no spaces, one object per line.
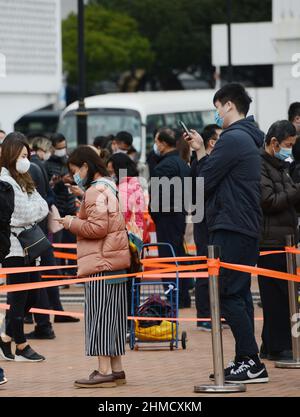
{"x":140,"y":114}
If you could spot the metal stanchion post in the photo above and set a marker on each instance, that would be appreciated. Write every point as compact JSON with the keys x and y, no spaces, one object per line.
{"x":294,"y":309}
{"x":217,"y":345}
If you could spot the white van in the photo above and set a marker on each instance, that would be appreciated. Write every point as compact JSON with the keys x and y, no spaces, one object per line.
{"x":140,"y":114}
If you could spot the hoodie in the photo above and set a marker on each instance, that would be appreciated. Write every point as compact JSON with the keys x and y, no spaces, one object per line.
{"x":232,"y":175}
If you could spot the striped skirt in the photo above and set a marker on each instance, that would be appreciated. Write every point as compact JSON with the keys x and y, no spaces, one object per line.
{"x":105,"y":318}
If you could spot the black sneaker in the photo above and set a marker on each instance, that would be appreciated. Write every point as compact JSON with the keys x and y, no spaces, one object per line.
{"x":249,"y":372}
{"x":5,"y":350}
{"x":3,"y":380}
{"x":230,"y":367}
{"x":28,"y":355}
{"x":41,"y":334}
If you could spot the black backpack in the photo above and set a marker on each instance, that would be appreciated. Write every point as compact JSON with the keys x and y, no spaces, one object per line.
{"x":7,"y":203}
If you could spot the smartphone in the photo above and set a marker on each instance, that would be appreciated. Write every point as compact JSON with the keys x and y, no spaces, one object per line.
{"x":185,"y":129}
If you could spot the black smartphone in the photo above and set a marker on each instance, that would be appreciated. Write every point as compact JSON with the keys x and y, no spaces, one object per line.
{"x":185,"y":129}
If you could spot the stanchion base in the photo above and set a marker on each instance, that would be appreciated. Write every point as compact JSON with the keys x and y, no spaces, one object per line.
{"x":288,"y":364}
{"x":226,"y":388}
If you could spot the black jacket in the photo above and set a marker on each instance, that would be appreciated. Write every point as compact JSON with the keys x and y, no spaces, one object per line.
{"x":232,"y":176}
{"x":279,"y":198}
{"x":65,"y":201}
{"x":170,"y":166}
{"x":7,"y":203}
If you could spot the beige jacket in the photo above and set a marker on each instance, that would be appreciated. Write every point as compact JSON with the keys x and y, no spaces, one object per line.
{"x":102,"y":242}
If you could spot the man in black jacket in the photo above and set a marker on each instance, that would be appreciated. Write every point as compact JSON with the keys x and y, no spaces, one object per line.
{"x":232,"y":190}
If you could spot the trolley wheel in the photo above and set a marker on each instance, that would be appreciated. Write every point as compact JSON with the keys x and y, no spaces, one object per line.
{"x":171,"y":346}
{"x":183,"y":340}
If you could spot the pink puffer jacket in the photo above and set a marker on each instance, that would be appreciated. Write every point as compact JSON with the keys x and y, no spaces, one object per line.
{"x":102,"y":242}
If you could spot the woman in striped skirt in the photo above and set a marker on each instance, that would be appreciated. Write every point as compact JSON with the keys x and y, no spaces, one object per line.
{"x":102,"y":248}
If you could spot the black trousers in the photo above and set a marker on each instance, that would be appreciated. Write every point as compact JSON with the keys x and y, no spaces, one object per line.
{"x":201,"y":285}
{"x":276,"y":333}
{"x":235,"y":293}
{"x":20,"y":301}
{"x":170,"y":228}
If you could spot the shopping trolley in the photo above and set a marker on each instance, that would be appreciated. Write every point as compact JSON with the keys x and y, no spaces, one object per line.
{"x":155,"y":299}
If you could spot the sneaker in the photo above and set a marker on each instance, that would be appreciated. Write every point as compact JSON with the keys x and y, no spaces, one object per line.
{"x":119,"y":377}
{"x":3,"y":380}
{"x":28,"y":355}
{"x":205,"y":326}
{"x":249,"y":372}
{"x":41,"y":334}
{"x":230,"y":367}
{"x":5,"y":350}
{"x":65,"y":319}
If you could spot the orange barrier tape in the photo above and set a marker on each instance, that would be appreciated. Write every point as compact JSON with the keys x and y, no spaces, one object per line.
{"x":81,"y":315}
{"x":65,"y":245}
{"x":271,"y":252}
{"x":213,"y":266}
{"x":164,"y":275}
{"x":147,"y":261}
{"x":26,"y":269}
{"x":261,"y":271}
{"x":63,"y":255}
{"x":292,"y":250}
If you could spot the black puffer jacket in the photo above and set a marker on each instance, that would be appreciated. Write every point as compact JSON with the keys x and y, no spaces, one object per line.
{"x":279,"y":199}
{"x":7,"y":202}
{"x":65,"y":201}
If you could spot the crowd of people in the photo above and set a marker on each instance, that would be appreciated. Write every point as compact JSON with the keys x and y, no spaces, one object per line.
{"x":252,"y":201}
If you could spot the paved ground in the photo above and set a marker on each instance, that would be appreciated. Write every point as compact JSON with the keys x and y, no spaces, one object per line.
{"x":149,"y":373}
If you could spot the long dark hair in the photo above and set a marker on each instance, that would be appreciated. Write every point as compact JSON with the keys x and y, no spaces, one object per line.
{"x":12,"y":146}
{"x":85,"y":154}
{"x":122,"y":161}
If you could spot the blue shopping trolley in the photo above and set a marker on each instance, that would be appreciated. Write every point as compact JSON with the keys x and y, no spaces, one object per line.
{"x":155,"y":299}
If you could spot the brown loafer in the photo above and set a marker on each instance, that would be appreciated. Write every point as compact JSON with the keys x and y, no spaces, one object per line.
{"x":96,"y":380}
{"x":120,"y":377}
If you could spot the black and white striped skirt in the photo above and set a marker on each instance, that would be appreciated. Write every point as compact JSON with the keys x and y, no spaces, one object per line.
{"x":105,"y":318}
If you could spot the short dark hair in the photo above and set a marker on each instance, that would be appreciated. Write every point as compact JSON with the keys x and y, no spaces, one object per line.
{"x":168,"y":135}
{"x":57,"y":138}
{"x":101,"y":142}
{"x":209,"y":132}
{"x":236,"y":93}
{"x":294,"y":111}
{"x":124,"y":137}
{"x":85,"y":154}
{"x":2,"y":131}
{"x":296,"y":149}
{"x":123,"y":161}
{"x":280,"y":130}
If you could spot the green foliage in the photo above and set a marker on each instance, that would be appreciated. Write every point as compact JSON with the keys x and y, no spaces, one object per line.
{"x":112,"y":44}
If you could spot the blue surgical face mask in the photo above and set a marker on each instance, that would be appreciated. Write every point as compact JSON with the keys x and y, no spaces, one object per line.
{"x":79,"y":181}
{"x":284,"y":153}
{"x":156,"y":150}
{"x":219,"y":120}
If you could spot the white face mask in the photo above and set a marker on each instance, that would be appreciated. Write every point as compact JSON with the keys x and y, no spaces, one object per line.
{"x":47,"y":156}
{"x":60,"y":152}
{"x":22,"y":165}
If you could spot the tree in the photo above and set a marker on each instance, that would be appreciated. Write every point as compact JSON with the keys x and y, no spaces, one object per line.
{"x":112,"y":41}
{"x":180,"y":30}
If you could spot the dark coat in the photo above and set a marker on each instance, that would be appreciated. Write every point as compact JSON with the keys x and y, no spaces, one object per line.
{"x":65,"y":201}
{"x":7,"y":203}
{"x":232,"y":176}
{"x":170,"y":166}
{"x":279,"y":199}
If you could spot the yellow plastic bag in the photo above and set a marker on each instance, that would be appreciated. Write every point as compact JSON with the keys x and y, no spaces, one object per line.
{"x":155,"y":333}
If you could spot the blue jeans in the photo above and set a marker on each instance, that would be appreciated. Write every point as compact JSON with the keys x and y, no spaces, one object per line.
{"x":235,"y":292}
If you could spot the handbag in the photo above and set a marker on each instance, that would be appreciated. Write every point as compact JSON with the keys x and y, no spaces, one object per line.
{"x":53,"y":225}
{"x":34,"y":243}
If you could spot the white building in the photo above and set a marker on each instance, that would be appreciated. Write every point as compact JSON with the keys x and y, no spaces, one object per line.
{"x":30,"y":57}
{"x":274,"y":43}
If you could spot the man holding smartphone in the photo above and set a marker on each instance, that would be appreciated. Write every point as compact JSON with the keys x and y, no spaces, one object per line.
{"x":232,"y":175}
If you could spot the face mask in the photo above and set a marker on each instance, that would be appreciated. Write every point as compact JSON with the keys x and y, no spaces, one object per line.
{"x":47,"y":156}
{"x":79,"y":181}
{"x":22,"y":165}
{"x":156,"y":150}
{"x":284,"y":153}
{"x":120,"y":151}
{"x":219,"y":120}
{"x":60,"y":153}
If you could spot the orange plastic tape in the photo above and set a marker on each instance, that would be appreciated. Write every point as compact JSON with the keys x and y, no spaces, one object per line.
{"x":165,"y":275}
{"x":63,"y":255}
{"x":65,"y":245}
{"x":213,"y":266}
{"x":271,"y":252}
{"x":80,"y":315}
{"x":147,"y":261}
{"x":27,"y":269}
{"x":292,"y":250}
